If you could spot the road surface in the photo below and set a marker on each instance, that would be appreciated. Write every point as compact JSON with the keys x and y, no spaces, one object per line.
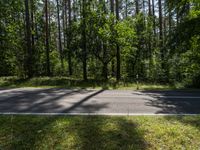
{"x":129,"y":102}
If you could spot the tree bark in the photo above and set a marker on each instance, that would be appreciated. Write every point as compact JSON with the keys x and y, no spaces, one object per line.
{"x":118,"y":48}
{"x":29,"y":62}
{"x":47,"y":39}
{"x":112,"y":12}
{"x":149,"y":24}
{"x":32,"y":24}
{"x":136,"y":7}
{"x":69,"y":40}
{"x":59,"y":36}
{"x":154,"y":22}
{"x":161,"y":31}
{"x":126,"y":11}
{"x":84,"y":48}
{"x":105,"y":71}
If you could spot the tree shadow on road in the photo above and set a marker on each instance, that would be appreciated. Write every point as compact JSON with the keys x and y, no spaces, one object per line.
{"x":47,"y":100}
{"x":176,"y":106}
{"x":169,"y":103}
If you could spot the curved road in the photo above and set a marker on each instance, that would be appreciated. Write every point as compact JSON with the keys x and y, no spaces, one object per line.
{"x":97,"y":102}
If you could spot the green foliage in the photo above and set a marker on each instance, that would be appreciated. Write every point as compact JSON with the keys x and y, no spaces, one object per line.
{"x":191,"y":63}
{"x":126,"y":35}
{"x":170,"y":59}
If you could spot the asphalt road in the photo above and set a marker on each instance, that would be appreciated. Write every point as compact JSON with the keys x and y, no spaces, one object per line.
{"x":129,"y":102}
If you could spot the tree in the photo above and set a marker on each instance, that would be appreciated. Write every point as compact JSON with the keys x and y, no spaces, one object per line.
{"x":112,"y":25}
{"x":47,"y":39}
{"x":84,"y":48}
{"x":28,"y":41}
{"x":154,"y":22}
{"x":118,"y":48}
{"x":69,"y":39}
{"x":161,"y":32}
{"x":101,"y":38}
{"x":59,"y":36}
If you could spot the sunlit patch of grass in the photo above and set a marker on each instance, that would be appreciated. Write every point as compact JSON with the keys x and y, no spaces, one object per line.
{"x":99,"y":132}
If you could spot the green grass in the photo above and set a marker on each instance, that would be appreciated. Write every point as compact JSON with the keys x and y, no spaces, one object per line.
{"x":64,"y":82}
{"x":99,"y":133}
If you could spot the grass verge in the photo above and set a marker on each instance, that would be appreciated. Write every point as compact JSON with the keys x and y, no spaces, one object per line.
{"x":100,"y":132}
{"x":64,"y":82}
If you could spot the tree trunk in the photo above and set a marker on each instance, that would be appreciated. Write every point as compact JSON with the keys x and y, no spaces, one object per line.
{"x":105,"y":71}
{"x":170,"y":19}
{"x":74,"y":10}
{"x":29,"y":62}
{"x":126,"y":11}
{"x":137,"y":7}
{"x":154,"y":22}
{"x":118,"y":48}
{"x":59,"y":36}
{"x":161,"y":32}
{"x":84,"y":48}
{"x":32,"y":24}
{"x":149,"y":24}
{"x":112,"y":12}
{"x":47,"y":39}
{"x":69,"y":39}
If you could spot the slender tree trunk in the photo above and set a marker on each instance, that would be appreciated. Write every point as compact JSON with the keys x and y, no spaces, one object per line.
{"x":137,"y":7}
{"x":150,"y":56}
{"x":74,"y":10}
{"x":170,"y":20}
{"x":32,"y":24}
{"x":65,"y":19}
{"x":112,"y":12}
{"x":105,"y":71}
{"x":149,"y":4}
{"x":47,"y":39}
{"x":154,"y":22}
{"x":105,"y":63}
{"x":161,"y":31}
{"x":139,"y":44}
{"x":126,"y":11}
{"x":32,"y":35}
{"x":69,"y":40}
{"x":149,"y":24}
{"x":84,"y":48}
{"x":59,"y":36}
{"x":63,"y":26}
{"x":28,"y":41}
{"x":49,"y":19}
{"x":118,"y":48}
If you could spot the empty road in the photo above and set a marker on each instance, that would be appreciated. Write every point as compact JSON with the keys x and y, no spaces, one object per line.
{"x":129,"y":102}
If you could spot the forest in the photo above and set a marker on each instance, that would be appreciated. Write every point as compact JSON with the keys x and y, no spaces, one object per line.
{"x":154,"y":41}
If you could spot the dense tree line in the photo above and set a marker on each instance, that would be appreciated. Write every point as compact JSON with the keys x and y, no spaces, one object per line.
{"x":157,"y":40}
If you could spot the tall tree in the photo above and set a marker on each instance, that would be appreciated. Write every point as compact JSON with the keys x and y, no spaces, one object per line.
{"x":32,"y":24}
{"x":59,"y":36}
{"x":153,"y":13}
{"x":137,"y":7}
{"x":29,"y":62}
{"x":126,"y":8}
{"x":161,"y":31}
{"x":69,"y":38}
{"x":84,"y":48}
{"x":118,"y":48}
{"x":112,"y":25}
{"x":47,"y":39}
